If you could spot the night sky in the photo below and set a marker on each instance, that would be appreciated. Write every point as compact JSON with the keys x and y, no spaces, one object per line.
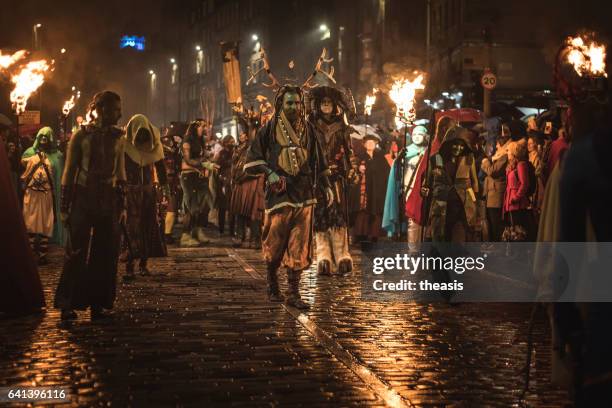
{"x":90,"y":31}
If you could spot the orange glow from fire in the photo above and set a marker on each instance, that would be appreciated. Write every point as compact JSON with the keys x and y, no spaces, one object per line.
{"x":27,"y":80}
{"x":369,"y":102}
{"x":68,"y":105}
{"x":403,"y":94}
{"x":587,"y":56}
{"x":7,"y":60}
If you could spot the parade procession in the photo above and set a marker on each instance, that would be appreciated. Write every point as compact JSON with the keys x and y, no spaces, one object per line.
{"x":342,"y":203}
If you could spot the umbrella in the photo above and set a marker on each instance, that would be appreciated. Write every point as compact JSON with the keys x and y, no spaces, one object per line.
{"x":461,"y":115}
{"x":359,"y":131}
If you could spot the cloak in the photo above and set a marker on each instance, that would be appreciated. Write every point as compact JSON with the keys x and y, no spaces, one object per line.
{"x":57,"y":164}
{"x":20,"y":286}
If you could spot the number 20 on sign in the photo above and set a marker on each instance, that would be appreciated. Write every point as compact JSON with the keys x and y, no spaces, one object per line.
{"x":488,"y":80}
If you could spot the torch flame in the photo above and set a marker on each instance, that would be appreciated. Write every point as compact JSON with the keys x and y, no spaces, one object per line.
{"x":369,"y":102}
{"x":587,"y":56}
{"x":7,"y":60}
{"x":29,"y":78}
{"x":403,"y":94}
{"x":68,"y":105}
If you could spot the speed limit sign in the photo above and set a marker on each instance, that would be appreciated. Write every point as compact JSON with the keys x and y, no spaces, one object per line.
{"x":488,"y":80}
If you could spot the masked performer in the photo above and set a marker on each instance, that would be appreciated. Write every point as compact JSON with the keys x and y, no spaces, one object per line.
{"x":401,"y":182}
{"x":331,"y":221}
{"x":56,"y":158}
{"x":92,"y":206}
{"x":454,"y":186}
{"x":144,"y":166}
{"x":197,"y":184}
{"x":286,"y":149}
{"x":172,"y":162}
{"x":38,"y":199}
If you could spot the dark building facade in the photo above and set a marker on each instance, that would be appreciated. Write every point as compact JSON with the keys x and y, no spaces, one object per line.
{"x":369,"y":40}
{"x":517,"y":40}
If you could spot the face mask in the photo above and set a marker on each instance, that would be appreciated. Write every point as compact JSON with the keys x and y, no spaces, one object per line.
{"x":417,"y":138}
{"x":457,"y":149}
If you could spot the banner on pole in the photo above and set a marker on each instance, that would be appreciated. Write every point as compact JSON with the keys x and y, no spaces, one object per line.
{"x":231,"y":72}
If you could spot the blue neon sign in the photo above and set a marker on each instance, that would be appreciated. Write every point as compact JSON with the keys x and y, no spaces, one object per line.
{"x":132,"y":41}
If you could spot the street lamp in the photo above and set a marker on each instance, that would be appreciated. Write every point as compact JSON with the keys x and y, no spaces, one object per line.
{"x":255,"y":37}
{"x":198,"y":48}
{"x":35,"y":29}
{"x":63,"y":50}
{"x":172,"y":61}
{"x":325,"y":30}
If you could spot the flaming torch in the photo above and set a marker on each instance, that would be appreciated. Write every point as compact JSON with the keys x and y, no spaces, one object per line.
{"x":367,"y":107}
{"x":7,"y":60}
{"x":68,"y":105}
{"x":587,"y":56}
{"x":580,"y":69}
{"x":403,"y":94}
{"x":27,"y":81}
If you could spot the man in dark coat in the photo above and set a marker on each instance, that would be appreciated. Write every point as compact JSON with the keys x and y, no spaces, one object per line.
{"x":368,"y":199}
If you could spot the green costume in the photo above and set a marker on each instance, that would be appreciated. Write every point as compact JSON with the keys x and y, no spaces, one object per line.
{"x":57,"y":163}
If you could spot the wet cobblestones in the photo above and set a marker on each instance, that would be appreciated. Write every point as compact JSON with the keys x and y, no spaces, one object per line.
{"x":199,"y":332}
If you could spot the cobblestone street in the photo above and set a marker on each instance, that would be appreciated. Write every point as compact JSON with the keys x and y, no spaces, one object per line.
{"x":200,"y":332}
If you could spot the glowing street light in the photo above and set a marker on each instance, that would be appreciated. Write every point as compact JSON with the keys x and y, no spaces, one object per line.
{"x":63,"y":50}
{"x":255,"y":37}
{"x":198,"y":48}
{"x":323,"y":27}
{"x":38,"y":25}
{"x":172,"y":61}
{"x":151,"y":72}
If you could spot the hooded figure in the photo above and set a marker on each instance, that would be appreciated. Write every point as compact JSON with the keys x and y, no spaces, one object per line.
{"x":454,"y":184}
{"x":38,"y":181}
{"x":331,"y":220}
{"x":144,"y":167}
{"x":56,"y":158}
{"x":20,"y":287}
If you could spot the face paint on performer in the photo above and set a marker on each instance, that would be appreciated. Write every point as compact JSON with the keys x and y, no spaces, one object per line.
{"x":292,"y":106}
{"x":327,"y":106}
{"x":457,"y":149}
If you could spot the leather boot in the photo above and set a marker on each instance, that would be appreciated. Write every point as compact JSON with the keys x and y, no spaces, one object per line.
{"x":274,"y":294}
{"x":345,"y":266}
{"x":293,"y":297}
{"x":324,"y":268}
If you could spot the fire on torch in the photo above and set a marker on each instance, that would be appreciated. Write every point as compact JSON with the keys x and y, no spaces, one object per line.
{"x":403,"y":94}
{"x":7,"y":60}
{"x":587,"y":56}
{"x":27,"y":81}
